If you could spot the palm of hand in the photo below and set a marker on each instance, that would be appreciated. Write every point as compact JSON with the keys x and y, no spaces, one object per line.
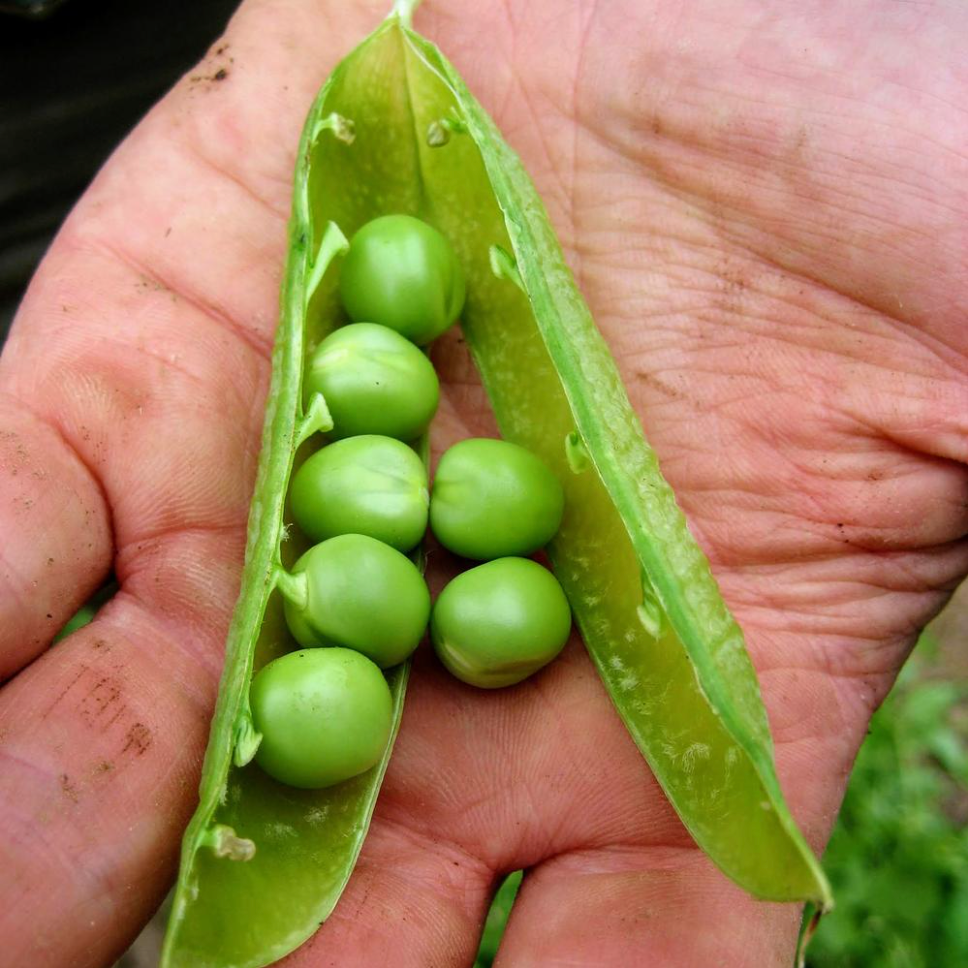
{"x":749,"y":208}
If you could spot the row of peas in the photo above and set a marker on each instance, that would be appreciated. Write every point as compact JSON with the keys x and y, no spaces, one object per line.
{"x":357,"y":604}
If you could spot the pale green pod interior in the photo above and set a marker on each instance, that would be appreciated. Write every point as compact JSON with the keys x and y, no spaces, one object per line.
{"x":385,"y":136}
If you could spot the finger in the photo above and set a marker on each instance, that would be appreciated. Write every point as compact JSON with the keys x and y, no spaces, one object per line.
{"x":609,"y":909}
{"x":171,"y":418}
{"x":412,"y":901}
{"x":638,"y":896}
{"x":56,"y":546}
{"x":633,"y":888}
{"x":100,"y":744}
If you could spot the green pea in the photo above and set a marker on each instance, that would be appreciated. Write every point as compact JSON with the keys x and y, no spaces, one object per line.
{"x":369,"y":485}
{"x":496,"y":624}
{"x":374,"y":382}
{"x":402,"y":273}
{"x":361,"y":594}
{"x":324,"y":714}
{"x":492,"y":498}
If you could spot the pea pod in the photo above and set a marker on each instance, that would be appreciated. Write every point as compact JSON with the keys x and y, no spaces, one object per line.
{"x":671,"y":655}
{"x":396,"y":122}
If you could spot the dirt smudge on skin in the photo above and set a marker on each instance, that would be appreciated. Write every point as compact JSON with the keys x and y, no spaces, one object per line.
{"x":104,"y":697}
{"x":118,"y":713}
{"x":219,"y":74}
{"x":138,"y":738}
{"x":664,"y":387}
{"x":68,"y":788}
{"x":148,"y":283}
{"x":70,"y":685}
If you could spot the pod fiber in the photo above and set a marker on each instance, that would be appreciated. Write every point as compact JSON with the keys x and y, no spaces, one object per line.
{"x":394,"y":129}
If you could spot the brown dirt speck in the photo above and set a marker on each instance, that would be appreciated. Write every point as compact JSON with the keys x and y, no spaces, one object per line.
{"x":104,"y":696}
{"x":137,"y":739}
{"x":68,"y":788}
{"x":70,"y":685}
{"x":220,"y":75}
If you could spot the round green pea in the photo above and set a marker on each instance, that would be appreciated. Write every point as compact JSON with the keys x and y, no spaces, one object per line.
{"x":496,"y":624}
{"x":361,"y":594}
{"x":325,"y":715}
{"x":369,"y":485}
{"x":492,"y":498}
{"x":374,"y":382}
{"x":402,"y":273}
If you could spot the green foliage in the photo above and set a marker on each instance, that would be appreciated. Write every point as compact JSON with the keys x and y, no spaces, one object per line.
{"x":497,"y":919}
{"x":898,"y":858}
{"x":85,"y":614}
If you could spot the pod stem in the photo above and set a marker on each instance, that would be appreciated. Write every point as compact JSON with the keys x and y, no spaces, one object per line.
{"x":317,"y":419}
{"x":332,"y":243}
{"x":650,"y":611}
{"x":403,"y":11}
{"x":294,"y":588}
{"x":505,"y":266}
{"x":247,"y":737}
{"x":576,"y":453}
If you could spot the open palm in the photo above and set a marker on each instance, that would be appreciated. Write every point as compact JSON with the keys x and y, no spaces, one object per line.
{"x":767,"y":210}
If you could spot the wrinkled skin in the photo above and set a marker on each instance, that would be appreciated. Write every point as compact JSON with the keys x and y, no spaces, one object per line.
{"x":766,"y":208}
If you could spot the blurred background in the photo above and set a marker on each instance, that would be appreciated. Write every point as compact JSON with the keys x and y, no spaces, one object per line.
{"x":72,"y":84}
{"x":75,"y":77}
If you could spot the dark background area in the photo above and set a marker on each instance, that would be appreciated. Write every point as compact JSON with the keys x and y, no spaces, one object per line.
{"x":72,"y":85}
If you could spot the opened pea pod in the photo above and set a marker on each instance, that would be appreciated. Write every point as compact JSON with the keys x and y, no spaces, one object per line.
{"x":396,"y":122}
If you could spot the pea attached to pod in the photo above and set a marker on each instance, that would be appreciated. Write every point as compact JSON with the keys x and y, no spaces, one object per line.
{"x":492,"y":499}
{"x":370,"y":485}
{"x":402,"y":273}
{"x":362,"y":594}
{"x":374,"y":382}
{"x":325,"y":715}
{"x":498,"y":623}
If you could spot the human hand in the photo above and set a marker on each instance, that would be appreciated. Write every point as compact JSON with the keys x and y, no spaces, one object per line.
{"x":766,"y":215}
